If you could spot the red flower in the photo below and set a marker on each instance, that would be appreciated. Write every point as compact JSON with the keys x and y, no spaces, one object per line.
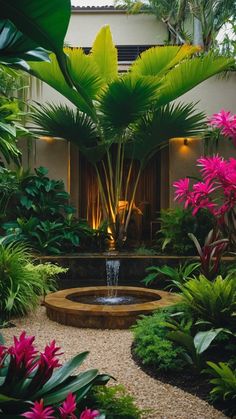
{"x":39,"y":412}
{"x":68,"y":407}
{"x":89,"y":414}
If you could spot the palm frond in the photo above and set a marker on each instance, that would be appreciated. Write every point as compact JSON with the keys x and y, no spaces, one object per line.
{"x":51,"y":74}
{"x":157,"y":60}
{"x":104,"y":54}
{"x":64,"y":122}
{"x":155,"y":129}
{"x":189,"y":74}
{"x":72,"y":125}
{"x":124,"y":101}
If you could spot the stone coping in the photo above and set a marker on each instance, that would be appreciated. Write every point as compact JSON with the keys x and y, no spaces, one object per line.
{"x":61,"y":309}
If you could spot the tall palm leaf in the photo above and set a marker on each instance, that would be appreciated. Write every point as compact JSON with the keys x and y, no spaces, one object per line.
{"x":72,"y":125}
{"x":124,"y":101}
{"x":155,"y":129}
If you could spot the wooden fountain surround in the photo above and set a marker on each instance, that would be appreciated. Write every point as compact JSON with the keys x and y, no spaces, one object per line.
{"x":62,"y":310}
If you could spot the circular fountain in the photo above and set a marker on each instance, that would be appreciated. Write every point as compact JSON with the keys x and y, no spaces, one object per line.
{"x":87,"y":307}
{"x":109,"y":307}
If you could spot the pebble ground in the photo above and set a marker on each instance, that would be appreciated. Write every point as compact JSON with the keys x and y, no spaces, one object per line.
{"x":110,"y":353}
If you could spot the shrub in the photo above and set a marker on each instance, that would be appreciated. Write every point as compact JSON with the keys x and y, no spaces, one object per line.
{"x":152,"y":345}
{"x":175,"y":226}
{"x":21,"y":282}
{"x":211,"y":301}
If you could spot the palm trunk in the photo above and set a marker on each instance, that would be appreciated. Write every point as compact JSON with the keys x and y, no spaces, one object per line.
{"x":197,"y":32}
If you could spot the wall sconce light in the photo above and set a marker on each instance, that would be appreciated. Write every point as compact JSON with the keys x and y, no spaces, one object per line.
{"x":186,"y":142}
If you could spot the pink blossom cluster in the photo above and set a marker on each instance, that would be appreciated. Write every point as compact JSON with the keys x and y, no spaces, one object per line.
{"x":24,"y":359}
{"x":217,"y":189}
{"x":66,"y":411}
{"x":225,"y":122}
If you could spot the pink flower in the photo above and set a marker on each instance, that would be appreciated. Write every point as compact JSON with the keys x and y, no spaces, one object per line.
{"x":210,"y":166}
{"x":182,"y":189}
{"x":22,"y":356}
{"x":68,"y":408}
{"x":39,"y":412}
{"x":203,"y":188}
{"x":226,"y":122}
{"x":47,"y":362}
{"x":89,"y":414}
{"x":2,"y":354}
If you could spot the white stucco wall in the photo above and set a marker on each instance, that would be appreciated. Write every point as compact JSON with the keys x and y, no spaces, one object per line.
{"x":126,"y":29}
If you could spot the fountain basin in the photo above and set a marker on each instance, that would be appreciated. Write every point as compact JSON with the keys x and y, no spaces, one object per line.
{"x":62,"y":309}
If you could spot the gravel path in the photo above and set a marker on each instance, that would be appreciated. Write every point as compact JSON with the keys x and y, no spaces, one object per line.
{"x":110,"y":352}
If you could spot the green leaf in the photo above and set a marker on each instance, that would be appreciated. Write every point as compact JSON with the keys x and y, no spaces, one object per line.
{"x":202,"y":340}
{"x":189,"y":74}
{"x":104,"y":54}
{"x":124,"y":101}
{"x":157,"y":61}
{"x":63,"y":373}
{"x":51,"y":74}
{"x":16,"y":48}
{"x":82,"y":380}
{"x":156,"y":128}
{"x":44,"y":22}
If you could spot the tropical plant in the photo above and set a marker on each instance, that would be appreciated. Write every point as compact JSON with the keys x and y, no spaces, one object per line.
{"x":224,"y":385}
{"x":123,"y":117}
{"x":195,"y":346}
{"x":20,"y":285}
{"x":28,"y":30}
{"x":215,"y":192}
{"x":207,"y":16}
{"x":213,"y":302}
{"x":43,"y":197}
{"x":178,"y":275}
{"x":28,"y":376}
{"x":211,"y":253}
{"x":176,"y":223}
{"x":10,"y":128}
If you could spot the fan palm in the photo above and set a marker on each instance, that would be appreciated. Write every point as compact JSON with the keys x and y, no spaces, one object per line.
{"x":123,"y":117}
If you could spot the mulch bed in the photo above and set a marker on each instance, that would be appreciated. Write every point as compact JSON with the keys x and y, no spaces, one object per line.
{"x":188,"y":380}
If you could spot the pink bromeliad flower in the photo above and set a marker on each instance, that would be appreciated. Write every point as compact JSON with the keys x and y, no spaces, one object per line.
{"x":210,"y":166}
{"x":39,"y":412}
{"x":68,"y":407}
{"x":3,"y":351}
{"x":219,"y":175}
{"x":22,"y":355}
{"x":226,"y":122}
{"x":89,"y":414}
{"x":46,"y":364}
